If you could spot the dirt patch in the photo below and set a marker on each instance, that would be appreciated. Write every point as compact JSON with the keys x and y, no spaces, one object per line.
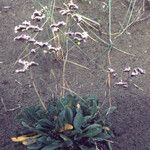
{"x":131,"y":120}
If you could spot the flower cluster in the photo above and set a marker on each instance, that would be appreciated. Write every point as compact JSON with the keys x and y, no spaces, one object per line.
{"x":56,"y":26}
{"x":38,"y":15}
{"x":131,"y":73}
{"x":78,"y":36}
{"x":70,"y":8}
{"x":26,"y":25}
{"x":26,"y":65}
{"x":26,"y":29}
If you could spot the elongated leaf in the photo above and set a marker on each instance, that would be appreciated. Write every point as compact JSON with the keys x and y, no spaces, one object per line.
{"x":92,"y":130}
{"x":43,"y":139}
{"x":82,"y":147}
{"x":29,"y":141}
{"x":53,"y":146}
{"x":78,"y":120}
{"x":68,"y":141}
{"x":109,"y":145}
{"x":68,"y":115}
{"x":102,"y":137}
{"x":24,"y":124}
{"x":94,"y":108}
{"x":40,"y":128}
{"x":45,"y":123}
{"x":35,"y":146}
{"x":109,"y":110}
{"x":69,"y":101}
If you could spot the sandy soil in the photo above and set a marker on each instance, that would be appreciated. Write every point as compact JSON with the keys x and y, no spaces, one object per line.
{"x":130,"y":122}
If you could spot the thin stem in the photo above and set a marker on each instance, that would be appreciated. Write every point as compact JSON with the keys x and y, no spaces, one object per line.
{"x":110,"y":6}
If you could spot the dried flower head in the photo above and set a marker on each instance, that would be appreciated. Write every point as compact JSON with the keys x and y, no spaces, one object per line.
{"x":122,"y":83}
{"x":51,"y":48}
{"x":33,"y":50}
{"x":20,"y":28}
{"x":111,"y":70}
{"x":59,"y":24}
{"x":79,"y":36}
{"x":137,"y":71}
{"x":141,"y":71}
{"x":34,"y":28}
{"x":72,"y":6}
{"x":26,"y":65}
{"x":127,"y":69}
{"x":56,"y":26}
{"x":31,"y":40}
{"x":41,"y":44}
{"x":38,"y":15}
{"x":84,"y":35}
{"x":65,"y":12}
{"x":77,"y":18}
{"x":70,"y":33}
{"x":22,"y":37}
{"x":27,"y":23}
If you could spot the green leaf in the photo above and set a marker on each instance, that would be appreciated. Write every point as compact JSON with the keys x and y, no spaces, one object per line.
{"x":43,"y":139}
{"x":65,"y":138}
{"x":92,"y":130}
{"x":35,"y":146}
{"x":40,"y":128}
{"x":29,"y":141}
{"x":68,"y":115}
{"x":60,"y":121}
{"x":109,"y":145}
{"x":94,"y":108}
{"x":78,"y":120}
{"x":45,"y":123}
{"x":24,"y":124}
{"x":109,"y":110}
{"x":82,"y":147}
{"x":102,"y":137}
{"x":70,"y":101}
{"x":52,"y":146}
{"x":68,"y":141}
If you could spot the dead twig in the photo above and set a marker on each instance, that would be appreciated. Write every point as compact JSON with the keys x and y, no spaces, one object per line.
{"x":9,"y":110}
